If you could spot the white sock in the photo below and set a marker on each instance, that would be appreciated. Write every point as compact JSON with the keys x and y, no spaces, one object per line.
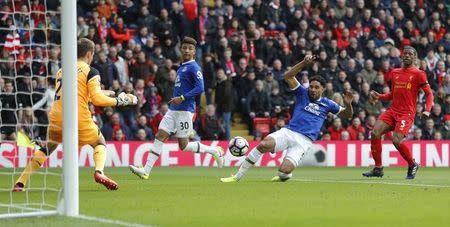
{"x":284,"y":176}
{"x":249,"y":161}
{"x":153,"y":155}
{"x":197,"y":147}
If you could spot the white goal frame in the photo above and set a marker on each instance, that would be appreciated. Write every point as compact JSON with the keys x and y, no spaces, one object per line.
{"x":70,"y":108}
{"x":69,"y":205}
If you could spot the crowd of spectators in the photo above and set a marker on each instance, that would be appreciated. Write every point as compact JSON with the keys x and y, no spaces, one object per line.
{"x":245,"y":46}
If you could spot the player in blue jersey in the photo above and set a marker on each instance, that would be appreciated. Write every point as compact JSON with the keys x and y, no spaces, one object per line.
{"x":178,"y":119}
{"x":310,"y":112}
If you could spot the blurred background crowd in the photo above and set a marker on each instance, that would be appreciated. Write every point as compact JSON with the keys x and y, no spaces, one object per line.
{"x":244,"y":48}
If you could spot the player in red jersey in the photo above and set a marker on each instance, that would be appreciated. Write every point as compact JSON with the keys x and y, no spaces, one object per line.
{"x":406,"y":83}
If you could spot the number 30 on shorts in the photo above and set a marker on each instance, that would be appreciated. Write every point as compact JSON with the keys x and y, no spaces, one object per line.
{"x":184,"y":125}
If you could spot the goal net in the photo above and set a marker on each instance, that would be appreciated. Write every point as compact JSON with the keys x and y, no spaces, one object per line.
{"x":30,"y":47}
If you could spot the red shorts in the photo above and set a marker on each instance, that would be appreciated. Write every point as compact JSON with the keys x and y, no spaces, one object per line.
{"x":401,"y":122}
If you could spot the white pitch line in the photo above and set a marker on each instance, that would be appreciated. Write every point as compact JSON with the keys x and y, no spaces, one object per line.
{"x":110,"y":221}
{"x":373,"y":182}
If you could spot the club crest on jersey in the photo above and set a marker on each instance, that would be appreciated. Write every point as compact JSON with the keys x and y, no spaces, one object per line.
{"x":184,"y":69}
{"x":313,"y":108}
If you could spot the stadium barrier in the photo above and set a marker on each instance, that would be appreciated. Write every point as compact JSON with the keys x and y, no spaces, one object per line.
{"x":323,"y":153}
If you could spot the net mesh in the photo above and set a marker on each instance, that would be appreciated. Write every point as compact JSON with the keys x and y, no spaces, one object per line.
{"x":30,"y":57}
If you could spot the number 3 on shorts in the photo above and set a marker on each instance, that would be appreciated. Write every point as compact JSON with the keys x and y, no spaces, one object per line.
{"x":184,"y":125}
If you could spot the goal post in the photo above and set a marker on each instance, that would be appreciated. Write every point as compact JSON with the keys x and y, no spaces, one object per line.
{"x":48,"y":192}
{"x":70,"y":107}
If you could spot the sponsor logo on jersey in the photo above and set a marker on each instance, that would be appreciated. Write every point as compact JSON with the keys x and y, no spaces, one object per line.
{"x":401,"y":84}
{"x":313,"y":108}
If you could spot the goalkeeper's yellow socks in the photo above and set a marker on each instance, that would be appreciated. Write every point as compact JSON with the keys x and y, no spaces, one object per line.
{"x":34,"y":164}
{"x":100,"y":157}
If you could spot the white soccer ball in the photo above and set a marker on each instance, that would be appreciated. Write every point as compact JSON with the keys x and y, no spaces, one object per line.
{"x":238,"y":146}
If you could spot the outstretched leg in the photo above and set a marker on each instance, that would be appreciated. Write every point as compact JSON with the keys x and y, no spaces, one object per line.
{"x":197,"y":147}
{"x":267,"y":145}
{"x":34,"y":164}
{"x":143,"y":173}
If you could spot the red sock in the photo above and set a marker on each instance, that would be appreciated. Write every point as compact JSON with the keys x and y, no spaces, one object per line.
{"x":404,"y":151}
{"x":376,"y":151}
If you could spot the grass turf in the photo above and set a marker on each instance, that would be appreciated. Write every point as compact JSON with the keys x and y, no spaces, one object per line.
{"x":195,"y":197}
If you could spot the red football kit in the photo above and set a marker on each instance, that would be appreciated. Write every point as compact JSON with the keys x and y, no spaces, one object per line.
{"x":406,"y":83}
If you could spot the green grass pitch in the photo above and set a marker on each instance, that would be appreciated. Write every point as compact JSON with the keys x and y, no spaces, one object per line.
{"x":315,"y":197}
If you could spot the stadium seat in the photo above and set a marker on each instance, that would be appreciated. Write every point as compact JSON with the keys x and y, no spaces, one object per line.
{"x":261,"y":120}
{"x":262,"y":124}
{"x":273,"y":121}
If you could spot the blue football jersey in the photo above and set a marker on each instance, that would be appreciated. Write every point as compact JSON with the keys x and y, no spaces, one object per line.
{"x":189,"y":83}
{"x":308,"y":116}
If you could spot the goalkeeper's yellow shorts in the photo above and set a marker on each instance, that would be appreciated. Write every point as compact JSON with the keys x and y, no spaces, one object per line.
{"x":88,"y":133}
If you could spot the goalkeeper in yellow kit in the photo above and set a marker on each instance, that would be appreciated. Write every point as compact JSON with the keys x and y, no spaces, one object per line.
{"x":89,"y":90}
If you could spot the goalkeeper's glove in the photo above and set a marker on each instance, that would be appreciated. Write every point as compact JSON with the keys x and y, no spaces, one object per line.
{"x":126,"y":99}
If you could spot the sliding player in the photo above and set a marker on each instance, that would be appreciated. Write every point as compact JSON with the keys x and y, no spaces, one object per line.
{"x":310,"y":111}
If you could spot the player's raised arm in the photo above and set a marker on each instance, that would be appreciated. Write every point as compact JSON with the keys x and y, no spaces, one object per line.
{"x":98,"y":96}
{"x":289,"y":76}
{"x":347,"y":112}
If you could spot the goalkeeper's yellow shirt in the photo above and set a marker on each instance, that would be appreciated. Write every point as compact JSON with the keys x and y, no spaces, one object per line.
{"x":89,"y":90}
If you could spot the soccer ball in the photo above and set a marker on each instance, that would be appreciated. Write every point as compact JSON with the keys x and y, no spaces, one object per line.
{"x":238,"y":146}
{"x":315,"y":156}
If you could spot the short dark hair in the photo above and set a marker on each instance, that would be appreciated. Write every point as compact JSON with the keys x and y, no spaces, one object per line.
{"x":189,"y":40}
{"x":83,"y":46}
{"x":281,"y":117}
{"x":319,"y":79}
{"x":411,"y":48}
